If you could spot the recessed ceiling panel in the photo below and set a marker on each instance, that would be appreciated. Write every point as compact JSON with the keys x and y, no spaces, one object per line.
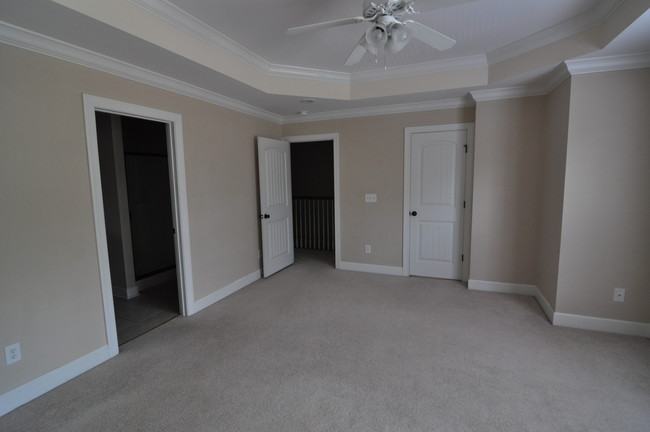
{"x":478,"y":27}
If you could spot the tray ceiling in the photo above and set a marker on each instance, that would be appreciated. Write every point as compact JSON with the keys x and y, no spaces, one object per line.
{"x":238,"y":49}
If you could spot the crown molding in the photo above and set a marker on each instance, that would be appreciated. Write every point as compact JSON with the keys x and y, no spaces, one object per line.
{"x":167,"y":11}
{"x":608,"y":64}
{"x":32,"y":41}
{"x":556,"y":77}
{"x":22,"y":38}
{"x":181,"y":19}
{"x":190,"y":24}
{"x":587,"y":20}
{"x":507,"y":93}
{"x":380,"y":110}
{"x":569,"y":68}
{"x":403,"y":71}
{"x":26,"y":39}
{"x":309,"y":73}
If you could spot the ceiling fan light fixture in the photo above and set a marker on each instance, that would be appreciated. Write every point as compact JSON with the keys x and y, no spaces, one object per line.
{"x":399,"y":36}
{"x":390,"y":31}
{"x":376,"y":36}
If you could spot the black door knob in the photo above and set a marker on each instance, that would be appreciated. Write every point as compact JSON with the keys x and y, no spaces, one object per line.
{"x":413,"y":213}
{"x":264,"y":216}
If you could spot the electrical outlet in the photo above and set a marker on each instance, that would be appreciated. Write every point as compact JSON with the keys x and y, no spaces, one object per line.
{"x":619,"y":294}
{"x":368,"y":249}
{"x":12,"y":353}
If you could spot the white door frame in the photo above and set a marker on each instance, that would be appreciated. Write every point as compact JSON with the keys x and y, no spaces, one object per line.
{"x":175,"y":151}
{"x":469,"y":176}
{"x":334,"y":137}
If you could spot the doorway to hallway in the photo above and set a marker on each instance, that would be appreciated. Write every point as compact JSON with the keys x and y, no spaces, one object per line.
{"x":312,"y":183}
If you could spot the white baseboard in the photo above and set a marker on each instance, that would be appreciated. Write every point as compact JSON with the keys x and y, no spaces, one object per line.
{"x":501,"y":287}
{"x":371,"y":268}
{"x":225,"y":291}
{"x":142,"y":284}
{"x":29,"y":391}
{"x":156,"y":279}
{"x":126,"y":293}
{"x":546,"y":306}
{"x":583,"y":322}
{"x":630,"y":328}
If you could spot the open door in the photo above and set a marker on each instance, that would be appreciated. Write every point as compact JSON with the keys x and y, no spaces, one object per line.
{"x":276,"y":218}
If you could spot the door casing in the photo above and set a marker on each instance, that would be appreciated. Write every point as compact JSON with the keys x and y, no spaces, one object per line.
{"x":178,"y":189}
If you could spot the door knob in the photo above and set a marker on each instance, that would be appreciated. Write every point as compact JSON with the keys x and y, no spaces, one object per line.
{"x":413,"y":213}
{"x":264,"y":216}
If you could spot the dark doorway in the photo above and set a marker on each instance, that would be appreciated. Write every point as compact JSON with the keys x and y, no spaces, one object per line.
{"x":139,"y":224}
{"x":312,"y":180}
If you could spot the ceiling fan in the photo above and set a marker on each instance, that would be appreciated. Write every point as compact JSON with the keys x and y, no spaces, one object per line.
{"x":390,"y":31}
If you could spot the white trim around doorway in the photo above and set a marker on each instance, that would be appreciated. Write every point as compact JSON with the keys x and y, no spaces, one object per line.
{"x":92,"y":104}
{"x":334,"y":137}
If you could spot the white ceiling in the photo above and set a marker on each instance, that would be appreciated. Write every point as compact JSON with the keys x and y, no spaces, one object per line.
{"x":254,"y":30}
{"x":479,"y":27}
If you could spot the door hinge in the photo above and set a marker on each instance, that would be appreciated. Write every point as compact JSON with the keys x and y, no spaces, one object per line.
{"x":465,"y":148}
{"x":464,"y":202}
{"x":462,"y":258}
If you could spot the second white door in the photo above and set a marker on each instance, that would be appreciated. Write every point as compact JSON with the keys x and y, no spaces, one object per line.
{"x":276,"y":216}
{"x":435,"y":214}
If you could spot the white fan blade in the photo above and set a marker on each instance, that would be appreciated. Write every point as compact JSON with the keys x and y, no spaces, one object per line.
{"x":429,"y":36}
{"x":357,"y":53}
{"x":326,"y":24}
{"x":427,"y":5}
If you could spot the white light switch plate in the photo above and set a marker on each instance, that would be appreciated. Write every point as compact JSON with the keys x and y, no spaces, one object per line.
{"x":371,"y":198}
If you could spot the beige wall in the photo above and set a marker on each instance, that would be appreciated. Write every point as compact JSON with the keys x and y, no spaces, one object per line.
{"x":507,"y":183}
{"x":372,"y":161}
{"x":553,"y":164}
{"x":50,"y":290}
{"x":606,"y":228}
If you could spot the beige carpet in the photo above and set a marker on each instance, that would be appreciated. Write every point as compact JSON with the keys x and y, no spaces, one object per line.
{"x":316,"y":349}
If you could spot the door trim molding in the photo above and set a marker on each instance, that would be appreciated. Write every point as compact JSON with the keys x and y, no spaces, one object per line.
{"x":469,"y":175}
{"x":175,"y":148}
{"x":334,"y":137}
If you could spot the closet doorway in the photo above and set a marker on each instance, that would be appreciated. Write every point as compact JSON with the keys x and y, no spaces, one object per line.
{"x":140,"y":231}
{"x":175,"y":153}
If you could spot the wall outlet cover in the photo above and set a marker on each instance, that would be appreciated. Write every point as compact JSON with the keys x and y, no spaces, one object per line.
{"x":12,"y":353}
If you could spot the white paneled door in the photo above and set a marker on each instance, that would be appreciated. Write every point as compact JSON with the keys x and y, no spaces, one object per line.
{"x":276,"y":216}
{"x":435,"y":216}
